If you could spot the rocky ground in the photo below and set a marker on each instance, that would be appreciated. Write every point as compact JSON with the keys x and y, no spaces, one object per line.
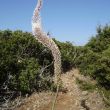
{"x":72,"y":98}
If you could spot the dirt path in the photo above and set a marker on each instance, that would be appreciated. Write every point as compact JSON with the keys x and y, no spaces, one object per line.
{"x":73,"y":99}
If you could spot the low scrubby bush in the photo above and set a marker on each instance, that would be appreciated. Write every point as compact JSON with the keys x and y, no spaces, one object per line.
{"x":23,"y":62}
{"x":26,"y":65}
{"x":94,"y":57}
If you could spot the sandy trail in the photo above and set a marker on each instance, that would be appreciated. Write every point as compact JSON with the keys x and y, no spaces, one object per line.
{"x":73,"y":99}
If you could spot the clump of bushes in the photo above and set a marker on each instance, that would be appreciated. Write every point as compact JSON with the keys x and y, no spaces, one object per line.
{"x":30,"y":65}
{"x":85,"y":85}
{"x":101,"y":41}
{"x":94,"y":57}
{"x":23,"y":63}
{"x":26,"y":64}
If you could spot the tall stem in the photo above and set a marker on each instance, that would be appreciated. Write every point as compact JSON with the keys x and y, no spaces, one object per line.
{"x":46,"y":41}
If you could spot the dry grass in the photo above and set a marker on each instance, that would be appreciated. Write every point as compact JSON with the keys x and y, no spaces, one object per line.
{"x":69,"y":99}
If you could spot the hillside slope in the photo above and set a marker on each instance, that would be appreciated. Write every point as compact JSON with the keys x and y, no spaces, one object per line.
{"x":71,"y":98}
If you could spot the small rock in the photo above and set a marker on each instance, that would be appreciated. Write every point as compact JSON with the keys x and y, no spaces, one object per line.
{"x":81,"y":108}
{"x":84,"y":93}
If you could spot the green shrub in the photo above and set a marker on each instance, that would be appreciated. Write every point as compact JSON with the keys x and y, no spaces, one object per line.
{"x":101,"y":41}
{"x":22,"y":58}
{"x":28,"y":62}
{"x":85,"y":85}
{"x":94,"y":58}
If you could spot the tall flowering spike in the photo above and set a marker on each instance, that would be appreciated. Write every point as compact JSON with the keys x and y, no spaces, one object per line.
{"x":46,"y":41}
{"x":36,"y":19}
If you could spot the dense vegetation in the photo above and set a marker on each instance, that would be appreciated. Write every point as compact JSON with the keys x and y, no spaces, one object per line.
{"x":26,"y":65}
{"x":94,"y":58}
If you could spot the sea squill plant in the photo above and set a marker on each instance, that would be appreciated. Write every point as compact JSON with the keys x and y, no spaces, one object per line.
{"x":43,"y":38}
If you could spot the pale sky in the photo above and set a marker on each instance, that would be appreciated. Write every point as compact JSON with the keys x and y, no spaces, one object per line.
{"x":66,"y":20}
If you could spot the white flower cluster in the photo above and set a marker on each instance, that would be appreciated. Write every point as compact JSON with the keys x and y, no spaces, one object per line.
{"x":46,"y":41}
